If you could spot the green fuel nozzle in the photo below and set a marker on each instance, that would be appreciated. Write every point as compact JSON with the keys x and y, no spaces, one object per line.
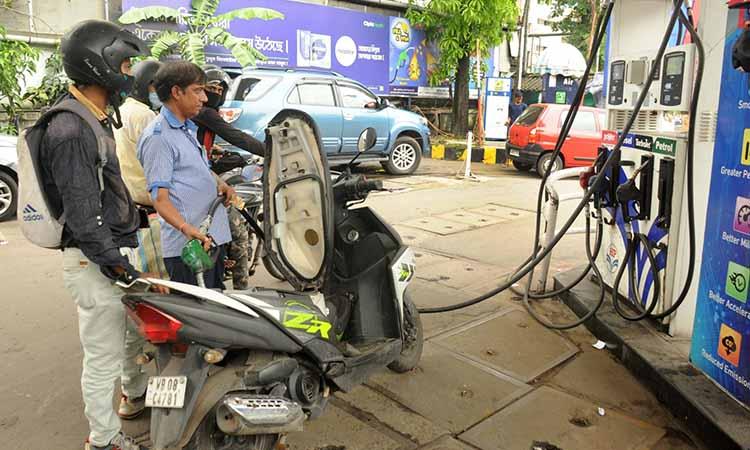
{"x":196,"y":258}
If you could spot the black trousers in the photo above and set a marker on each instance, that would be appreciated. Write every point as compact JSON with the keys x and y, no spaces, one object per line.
{"x":181,"y":273}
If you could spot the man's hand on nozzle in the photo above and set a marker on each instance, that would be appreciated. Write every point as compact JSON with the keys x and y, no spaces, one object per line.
{"x":228,"y":192}
{"x":193,"y":233}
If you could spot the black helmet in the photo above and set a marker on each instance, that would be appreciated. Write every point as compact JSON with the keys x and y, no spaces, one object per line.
{"x":215,"y":75}
{"x":92,"y":52}
{"x":144,"y":73}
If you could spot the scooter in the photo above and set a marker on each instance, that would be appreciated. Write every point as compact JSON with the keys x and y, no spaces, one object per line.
{"x":241,"y":369}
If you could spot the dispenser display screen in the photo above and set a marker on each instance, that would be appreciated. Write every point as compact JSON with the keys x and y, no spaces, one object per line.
{"x":673,"y":79}
{"x":675,"y":65}
{"x":618,"y":71}
{"x":617,"y":83}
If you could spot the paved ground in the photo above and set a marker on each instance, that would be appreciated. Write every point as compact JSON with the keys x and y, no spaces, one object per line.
{"x":490,"y":378}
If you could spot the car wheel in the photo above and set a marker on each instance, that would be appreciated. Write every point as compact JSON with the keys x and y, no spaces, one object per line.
{"x":405,"y":157}
{"x":8,"y":196}
{"x":545,"y":160}
{"x":522,"y":167}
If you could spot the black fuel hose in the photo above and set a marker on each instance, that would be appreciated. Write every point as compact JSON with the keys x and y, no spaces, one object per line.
{"x":592,"y":265}
{"x":589,"y":193}
{"x":630,"y":262}
{"x":690,"y":165}
{"x":574,"y":283}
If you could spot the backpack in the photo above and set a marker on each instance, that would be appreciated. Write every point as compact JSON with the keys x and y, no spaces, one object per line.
{"x":40,"y":223}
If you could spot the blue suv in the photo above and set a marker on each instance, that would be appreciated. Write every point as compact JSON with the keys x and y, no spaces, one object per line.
{"x":340,"y":107}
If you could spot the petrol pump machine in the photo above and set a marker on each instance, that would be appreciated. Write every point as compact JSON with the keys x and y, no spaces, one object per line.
{"x":644,"y":203}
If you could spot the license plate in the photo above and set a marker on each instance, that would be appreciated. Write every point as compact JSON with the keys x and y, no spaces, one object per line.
{"x":166,"y":392}
{"x":515,"y":153}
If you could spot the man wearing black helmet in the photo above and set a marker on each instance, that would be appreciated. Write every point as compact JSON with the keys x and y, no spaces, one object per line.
{"x":211,"y":124}
{"x":136,"y":113}
{"x":82,"y":180}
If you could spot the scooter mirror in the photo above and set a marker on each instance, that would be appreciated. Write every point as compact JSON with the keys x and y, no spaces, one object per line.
{"x":367,"y":139}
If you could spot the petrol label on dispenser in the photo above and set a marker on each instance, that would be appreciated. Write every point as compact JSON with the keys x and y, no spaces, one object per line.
{"x":664,"y":146}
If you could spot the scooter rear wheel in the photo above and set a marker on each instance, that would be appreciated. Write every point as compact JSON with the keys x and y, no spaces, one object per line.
{"x":208,"y":436}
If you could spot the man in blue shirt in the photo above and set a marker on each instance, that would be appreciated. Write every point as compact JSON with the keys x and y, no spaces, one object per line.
{"x":517,"y":107}
{"x":178,"y":174}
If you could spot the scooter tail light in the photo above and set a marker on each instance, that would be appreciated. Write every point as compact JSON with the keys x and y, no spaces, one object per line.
{"x":230,"y":114}
{"x":154,"y":325}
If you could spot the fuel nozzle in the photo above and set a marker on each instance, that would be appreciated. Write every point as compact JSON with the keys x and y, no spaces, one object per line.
{"x":197,"y":259}
{"x":628,"y":192}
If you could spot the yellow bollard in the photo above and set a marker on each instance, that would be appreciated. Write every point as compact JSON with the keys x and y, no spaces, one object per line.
{"x":438,"y":151}
{"x":490,"y":155}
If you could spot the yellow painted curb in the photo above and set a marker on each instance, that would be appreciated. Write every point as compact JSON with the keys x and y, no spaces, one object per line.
{"x":438,"y":151}
{"x":490,"y":155}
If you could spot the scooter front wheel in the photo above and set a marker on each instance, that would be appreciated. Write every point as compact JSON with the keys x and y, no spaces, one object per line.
{"x":413,"y":339}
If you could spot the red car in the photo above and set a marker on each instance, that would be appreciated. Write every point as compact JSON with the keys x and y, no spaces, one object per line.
{"x":532,"y":137}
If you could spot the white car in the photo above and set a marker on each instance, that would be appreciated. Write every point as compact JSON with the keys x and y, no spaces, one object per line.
{"x":8,"y":177}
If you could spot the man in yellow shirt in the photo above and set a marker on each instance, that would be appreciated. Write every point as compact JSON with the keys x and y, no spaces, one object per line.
{"x":136,"y":112}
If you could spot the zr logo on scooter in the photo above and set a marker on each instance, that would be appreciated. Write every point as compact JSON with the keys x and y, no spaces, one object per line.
{"x":305,"y":320}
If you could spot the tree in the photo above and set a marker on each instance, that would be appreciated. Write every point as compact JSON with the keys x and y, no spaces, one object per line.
{"x":17,"y":60}
{"x":53,"y":84}
{"x":578,"y":19}
{"x":456,"y":26}
{"x":203,"y":28}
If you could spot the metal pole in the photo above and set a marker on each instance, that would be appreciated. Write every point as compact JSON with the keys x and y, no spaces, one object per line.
{"x":522,"y":44}
{"x":467,"y":169}
{"x":30,"y":5}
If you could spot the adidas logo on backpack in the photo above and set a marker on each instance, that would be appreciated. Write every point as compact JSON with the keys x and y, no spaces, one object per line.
{"x":30,"y":214}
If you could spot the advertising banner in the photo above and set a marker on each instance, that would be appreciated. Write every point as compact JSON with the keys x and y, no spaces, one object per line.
{"x":496,"y":108}
{"x":721,"y":333}
{"x":351,"y":43}
{"x":384,"y":53}
{"x":411,"y":58}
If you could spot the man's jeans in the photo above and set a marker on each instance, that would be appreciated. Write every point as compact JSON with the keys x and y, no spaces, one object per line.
{"x":110,"y":343}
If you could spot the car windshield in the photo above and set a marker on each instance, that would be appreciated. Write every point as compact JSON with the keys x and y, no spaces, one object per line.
{"x":254,"y":87}
{"x":530,"y":116}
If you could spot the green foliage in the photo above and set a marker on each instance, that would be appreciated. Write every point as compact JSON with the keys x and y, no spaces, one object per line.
{"x":53,"y":84}
{"x":203,"y":28}
{"x":17,"y":60}
{"x":574,"y":17}
{"x":164,"y":42}
{"x":455,"y":25}
{"x":249,"y":14}
{"x":135,"y":15}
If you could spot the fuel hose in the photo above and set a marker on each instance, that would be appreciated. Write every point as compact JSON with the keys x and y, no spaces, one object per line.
{"x":598,"y":180}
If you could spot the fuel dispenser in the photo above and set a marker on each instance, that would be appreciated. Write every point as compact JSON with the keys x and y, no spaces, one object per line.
{"x":642,"y":198}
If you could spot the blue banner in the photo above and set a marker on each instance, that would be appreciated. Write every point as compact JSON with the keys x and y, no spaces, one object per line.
{"x":351,"y":43}
{"x":721,"y":333}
